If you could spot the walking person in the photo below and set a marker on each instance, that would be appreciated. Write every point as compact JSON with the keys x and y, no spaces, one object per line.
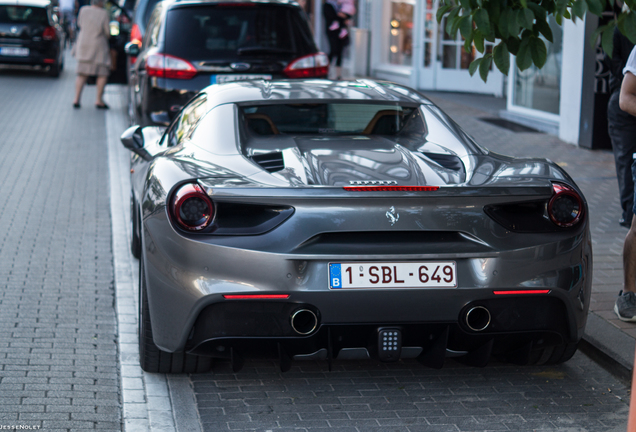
{"x":625,"y":306}
{"x":68,"y":13}
{"x":92,"y":50}
{"x":621,"y":128}
{"x":337,"y":15}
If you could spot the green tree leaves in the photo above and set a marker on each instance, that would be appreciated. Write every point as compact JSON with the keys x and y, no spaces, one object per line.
{"x":502,"y":57}
{"x":520,"y":28}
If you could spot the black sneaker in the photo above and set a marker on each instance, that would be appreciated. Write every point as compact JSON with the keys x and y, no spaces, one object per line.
{"x":625,"y":306}
{"x":625,"y":223}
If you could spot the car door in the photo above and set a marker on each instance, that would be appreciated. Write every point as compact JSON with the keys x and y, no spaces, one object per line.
{"x":139,"y":85}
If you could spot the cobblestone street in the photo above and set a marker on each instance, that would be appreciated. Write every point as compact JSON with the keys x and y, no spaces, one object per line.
{"x":58,"y":348}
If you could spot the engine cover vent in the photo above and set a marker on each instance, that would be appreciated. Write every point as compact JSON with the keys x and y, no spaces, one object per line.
{"x":270,"y":162}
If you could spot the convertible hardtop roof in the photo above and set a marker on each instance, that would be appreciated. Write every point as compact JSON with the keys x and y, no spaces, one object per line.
{"x":362,"y":90}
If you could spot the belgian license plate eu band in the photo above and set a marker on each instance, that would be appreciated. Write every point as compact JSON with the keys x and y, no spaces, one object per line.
{"x":220,"y":79}
{"x":432,"y":274}
{"x":12,"y":51}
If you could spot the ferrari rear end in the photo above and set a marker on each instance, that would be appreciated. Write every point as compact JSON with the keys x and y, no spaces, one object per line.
{"x":371,"y":270}
{"x":343,"y":220}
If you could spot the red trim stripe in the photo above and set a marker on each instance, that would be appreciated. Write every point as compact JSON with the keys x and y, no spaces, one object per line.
{"x":520,"y":292}
{"x":391,"y":188}
{"x":255,"y":296}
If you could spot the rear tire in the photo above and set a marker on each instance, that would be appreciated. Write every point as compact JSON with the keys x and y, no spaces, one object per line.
{"x":554,"y":354}
{"x":54,"y":70}
{"x":151,"y":358}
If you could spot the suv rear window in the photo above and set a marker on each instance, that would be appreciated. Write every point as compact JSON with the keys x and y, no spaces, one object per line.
{"x":231,"y":33}
{"x":23,"y":14}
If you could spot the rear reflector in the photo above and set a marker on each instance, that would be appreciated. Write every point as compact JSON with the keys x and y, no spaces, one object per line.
{"x":255,"y":296}
{"x":391,"y":188}
{"x":521,"y":292}
{"x":49,"y":61}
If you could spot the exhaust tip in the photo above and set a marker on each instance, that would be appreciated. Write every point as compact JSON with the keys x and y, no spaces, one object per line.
{"x":477,"y":318}
{"x":304,"y":321}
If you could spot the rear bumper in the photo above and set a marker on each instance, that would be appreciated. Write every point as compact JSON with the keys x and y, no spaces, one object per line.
{"x":254,"y":328}
{"x":40,"y":54}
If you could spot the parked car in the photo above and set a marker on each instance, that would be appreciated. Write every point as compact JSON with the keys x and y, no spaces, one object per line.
{"x":30,"y":35}
{"x":189,"y":45}
{"x":141,"y":15}
{"x":120,"y":26}
{"x":314,"y":219}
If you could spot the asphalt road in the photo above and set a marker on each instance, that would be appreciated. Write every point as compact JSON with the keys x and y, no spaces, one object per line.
{"x":67,"y":316}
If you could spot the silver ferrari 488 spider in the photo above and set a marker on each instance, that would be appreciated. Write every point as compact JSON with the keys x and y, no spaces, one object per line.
{"x":344,"y":220}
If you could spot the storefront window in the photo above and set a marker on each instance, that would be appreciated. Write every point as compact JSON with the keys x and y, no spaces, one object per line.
{"x":429,"y":32}
{"x":401,"y":33}
{"x":454,"y":56}
{"x":540,"y":89}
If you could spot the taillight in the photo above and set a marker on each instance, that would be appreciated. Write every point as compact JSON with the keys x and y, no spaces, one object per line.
{"x":135,"y":35}
{"x":310,"y":66}
{"x":565,"y":208}
{"x":49,"y":33}
{"x":192,"y":208}
{"x":167,"y":66}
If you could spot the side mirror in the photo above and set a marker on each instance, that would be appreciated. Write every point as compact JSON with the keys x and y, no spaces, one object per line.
{"x":133,"y":140}
{"x":132,"y":49}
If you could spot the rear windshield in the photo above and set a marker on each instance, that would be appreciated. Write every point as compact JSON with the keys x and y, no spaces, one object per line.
{"x":232,"y":33}
{"x":333,"y":118}
{"x":22,"y":15}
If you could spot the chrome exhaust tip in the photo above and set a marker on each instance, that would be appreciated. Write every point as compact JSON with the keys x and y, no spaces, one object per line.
{"x":477,"y":318}
{"x":304,"y":321}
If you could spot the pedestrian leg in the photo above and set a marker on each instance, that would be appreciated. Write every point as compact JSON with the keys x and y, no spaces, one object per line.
{"x":79,"y":86}
{"x":101,"y":83}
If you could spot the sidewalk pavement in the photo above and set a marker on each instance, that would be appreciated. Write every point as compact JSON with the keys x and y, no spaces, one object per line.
{"x":607,"y":339}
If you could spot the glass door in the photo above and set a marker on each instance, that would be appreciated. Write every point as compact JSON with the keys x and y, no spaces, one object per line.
{"x":445,"y":62}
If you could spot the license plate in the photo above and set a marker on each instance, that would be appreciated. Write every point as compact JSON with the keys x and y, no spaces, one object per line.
{"x":16,"y":52}
{"x":430,"y":274}
{"x":220,"y":79}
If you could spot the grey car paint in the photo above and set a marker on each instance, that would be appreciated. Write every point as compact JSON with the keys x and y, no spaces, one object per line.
{"x":186,"y":272}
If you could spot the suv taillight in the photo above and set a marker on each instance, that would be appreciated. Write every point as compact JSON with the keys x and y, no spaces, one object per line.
{"x":565,"y":208}
{"x":167,"y":66}
{"x":310,"y":66}
{"x":135,"y":35}
{"x":49,"y":33}
{"x":192,"y":208}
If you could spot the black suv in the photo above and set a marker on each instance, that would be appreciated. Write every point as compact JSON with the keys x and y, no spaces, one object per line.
{"x":30,"y":34}
{"x":189,"y":45}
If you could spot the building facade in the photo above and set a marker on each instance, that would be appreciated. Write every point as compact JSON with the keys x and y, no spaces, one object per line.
{"x":401,"y":41}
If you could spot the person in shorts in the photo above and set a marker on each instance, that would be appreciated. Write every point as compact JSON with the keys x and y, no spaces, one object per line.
{"x":67,"y":15}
